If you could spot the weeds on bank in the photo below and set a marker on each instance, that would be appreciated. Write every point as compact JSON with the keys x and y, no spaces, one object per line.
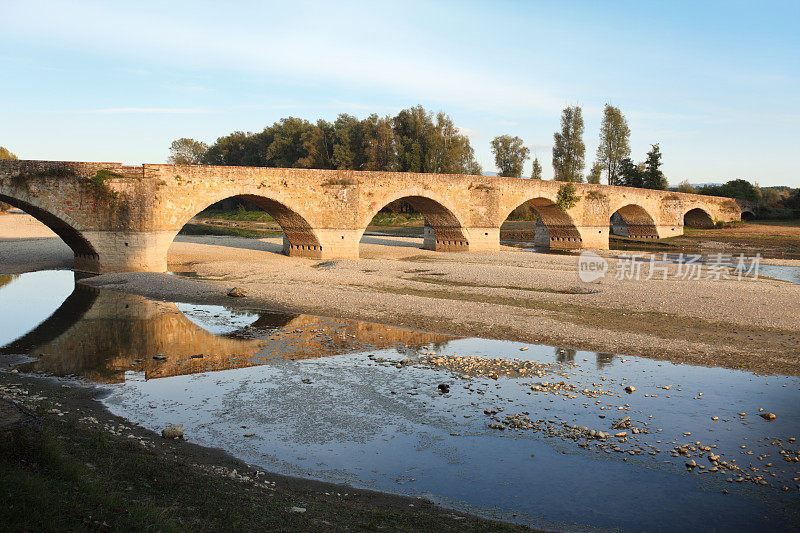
{"x":221,"y":231}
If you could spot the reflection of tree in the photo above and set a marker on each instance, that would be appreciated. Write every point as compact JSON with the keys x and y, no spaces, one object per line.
{"x":604,"y":359}
{"x":5,"y":279}
{"x":565,"y":355}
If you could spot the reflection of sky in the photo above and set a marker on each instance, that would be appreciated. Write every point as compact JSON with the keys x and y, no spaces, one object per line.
{"x":30,"y":299}
{"x":389,"y":429}
{"x":216,"y":319}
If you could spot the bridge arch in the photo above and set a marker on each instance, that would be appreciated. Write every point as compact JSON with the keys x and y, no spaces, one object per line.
{"x":698,"y":217}
{"x":443,"y":231}
{"x":299,"y":237}
{"x":86,"y":256}
{"x":633,"y":220}
{"x":555,"y":228}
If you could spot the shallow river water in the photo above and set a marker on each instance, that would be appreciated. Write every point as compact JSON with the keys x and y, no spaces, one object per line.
{"x":360,"y":403}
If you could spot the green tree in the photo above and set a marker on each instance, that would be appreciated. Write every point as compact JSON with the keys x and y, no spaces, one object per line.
{"x":568,"y":148}
{"x":425,"y":145}
{"x":737,"y":188}
{"x":594,"y":173}
{"x":318,"y":143}
{"x":614,"y":142}
{"x":510,"y":155}
{"x":380,"y":148}
{"x":286,"y":149}
{"x":536,"y":171}
{"x":793,"y":202}
{"x":685,"y":186}
{"x":652,"y":176}
{"x":239,"y":149}
{"x":185,"y":151}
{"x":349,"y":152}
{"x":629,"y":174}
{"x":413,"y":130}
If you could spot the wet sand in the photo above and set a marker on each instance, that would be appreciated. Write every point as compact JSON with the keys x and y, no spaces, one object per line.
{"x":511,"y":294}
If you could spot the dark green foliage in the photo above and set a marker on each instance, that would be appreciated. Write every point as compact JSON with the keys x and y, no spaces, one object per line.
{"x":793,"y":203}
{"x":628,"y":174}
{"x":737,"y":188}
{"x":652,"y":176}
{"x":567,"y":197}
{"x":413,"y":141}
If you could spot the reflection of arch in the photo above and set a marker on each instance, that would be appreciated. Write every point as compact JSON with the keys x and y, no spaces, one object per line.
{"x":747,"y":214}
{"x":555,"y":229}
{"x":633,"y":221}
{"x":446,"y":230}
{"x":101,"y":334}
{"x":698,"y":218}
{"x":85,"y":254}
{"x":299,"y":236}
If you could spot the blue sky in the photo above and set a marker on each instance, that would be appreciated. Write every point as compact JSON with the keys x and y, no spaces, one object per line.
{"x":717,"y":84}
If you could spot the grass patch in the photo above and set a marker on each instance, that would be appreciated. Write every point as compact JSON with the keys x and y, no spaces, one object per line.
{"x":221,"y":231}
{"x":395,"y":219}
{"x":237,"y":214}
{"x":44,"y":488}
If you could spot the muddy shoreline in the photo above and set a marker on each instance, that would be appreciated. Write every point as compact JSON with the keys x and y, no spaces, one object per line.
{"x":73,"y":409}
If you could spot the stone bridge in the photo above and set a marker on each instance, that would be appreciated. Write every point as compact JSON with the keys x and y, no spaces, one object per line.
{"x":117,"y":218}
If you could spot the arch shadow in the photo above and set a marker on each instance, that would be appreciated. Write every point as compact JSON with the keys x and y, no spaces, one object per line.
{"x":554,"y":228}
{"x":86,"y":257}
{"x":698,"y":218}
{"x":443,"y":231}
{"x":633,"y":221}
{"x":299,"y":238}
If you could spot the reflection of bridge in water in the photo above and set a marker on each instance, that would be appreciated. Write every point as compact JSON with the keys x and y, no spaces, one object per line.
{"x":100,"y":335}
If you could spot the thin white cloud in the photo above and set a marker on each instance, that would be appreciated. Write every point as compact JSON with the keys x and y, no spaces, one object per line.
{"x":281,"y":52}
{"x":146,"y":111}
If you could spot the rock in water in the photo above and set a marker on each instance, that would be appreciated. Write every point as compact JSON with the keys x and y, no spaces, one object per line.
{"x":172,"y":432}
{"x":768,"y":416}
{"x":237,"y":292}
{"x":630,"y":389}
{"x":160,"y":357}
{"x":444,"y":388}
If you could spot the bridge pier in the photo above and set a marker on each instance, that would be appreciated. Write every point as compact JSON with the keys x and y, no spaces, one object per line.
{"x":328,"y":244}
{"x":119,"y":251}
{"x":669,"y":230}
{"x":594,"y":237}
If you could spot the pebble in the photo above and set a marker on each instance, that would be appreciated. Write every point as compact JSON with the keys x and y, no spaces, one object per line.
{"x":237,"y":292}
{"x":172,"y":432}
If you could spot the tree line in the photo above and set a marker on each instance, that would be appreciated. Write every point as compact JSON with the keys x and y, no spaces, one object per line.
{"x":414,"y":140}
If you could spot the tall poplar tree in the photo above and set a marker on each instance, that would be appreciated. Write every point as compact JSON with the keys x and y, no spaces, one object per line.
{"x":614,"y":142}
{"x":568,"y":148}
{"x":536,"y":171}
